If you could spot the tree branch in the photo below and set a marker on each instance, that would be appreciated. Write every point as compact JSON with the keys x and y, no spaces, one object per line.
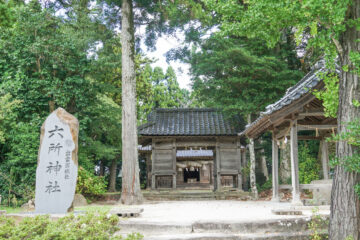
{"x":339,"y":48}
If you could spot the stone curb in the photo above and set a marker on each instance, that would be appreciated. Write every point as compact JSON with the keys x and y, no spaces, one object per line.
{"x":293,"y":225}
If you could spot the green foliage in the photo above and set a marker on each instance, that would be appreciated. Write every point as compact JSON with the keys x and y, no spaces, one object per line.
{"x":266,"y":185}
{"x":17,"y":173}
{"x":318,"y":25}
{"x":309,"y":166}
{"x":90,"y":185}
{"x":330,"y":95}
{"x":7,"y":9}
{"x":7,"y":115}
{"x":237,"y":75}
{"x":92,"y":225}
{"x":318,"y":226}
{"x":162,"y":90}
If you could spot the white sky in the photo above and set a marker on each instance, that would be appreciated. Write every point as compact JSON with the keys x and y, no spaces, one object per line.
{"x":164,"y":44}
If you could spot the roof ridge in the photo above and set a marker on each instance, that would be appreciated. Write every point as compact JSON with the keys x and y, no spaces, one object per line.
{"x":187,"y":109}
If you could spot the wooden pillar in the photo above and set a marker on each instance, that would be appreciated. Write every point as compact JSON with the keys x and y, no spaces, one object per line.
{"x":244,"y":163}
{"x":148,"y":170}
{"x":325,"y":158}
{"x":174,"y":162}
{"x":152,"y":165}
{"x":275,"y":169}
{"x":218,"y":174}
{"x":238,"y":154}
{"x":264,"y":168}
{"x":294,"y":164}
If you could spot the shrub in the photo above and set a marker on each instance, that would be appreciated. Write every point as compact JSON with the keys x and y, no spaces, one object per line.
{"x":266,"y":186}
{"x":309,"y":166}
{"x":318,"y":226}
{"x":95,"y":226}
{"x":90,"y":185}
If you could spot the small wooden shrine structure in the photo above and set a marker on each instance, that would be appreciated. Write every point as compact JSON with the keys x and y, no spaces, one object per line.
{"x":191,"y":148}
{"x":298,"y":110}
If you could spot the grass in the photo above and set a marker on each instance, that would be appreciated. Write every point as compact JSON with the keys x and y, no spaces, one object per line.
{"x":94,"y":208}
{"x":11,"y":209}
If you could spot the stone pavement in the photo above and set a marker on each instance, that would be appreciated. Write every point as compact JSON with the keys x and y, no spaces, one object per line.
{"x":197,"y":220}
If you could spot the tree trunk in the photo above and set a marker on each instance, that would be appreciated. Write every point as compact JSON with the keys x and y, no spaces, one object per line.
{"x":112,"y":178}
{"x":285,"y":165}
{"x":131,"y":193}
{"x":345,"y":204}
{"x":252,"y":165}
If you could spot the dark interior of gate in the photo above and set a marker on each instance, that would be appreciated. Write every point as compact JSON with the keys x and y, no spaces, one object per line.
{"x":191,"y":149}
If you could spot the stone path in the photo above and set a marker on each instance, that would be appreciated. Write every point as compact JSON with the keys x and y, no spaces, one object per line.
{"x":228,"y":219}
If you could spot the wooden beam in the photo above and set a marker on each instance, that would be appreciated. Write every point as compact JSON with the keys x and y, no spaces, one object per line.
{"x":310,"y":138}
{"x":196,"y":144}
{"x":306,"y":186}
{"x":283,"y":132}
{"x":312,"y":113}
{"x":314,"y":127}
{"x":163,"y":173}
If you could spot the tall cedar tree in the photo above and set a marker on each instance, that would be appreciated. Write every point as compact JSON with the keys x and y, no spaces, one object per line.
{"x":159,"y":17}
{"x":131,"y":192}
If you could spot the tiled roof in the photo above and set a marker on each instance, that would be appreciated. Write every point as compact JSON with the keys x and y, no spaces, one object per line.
{"x":304,"y":86}
{"x":188,"y":122}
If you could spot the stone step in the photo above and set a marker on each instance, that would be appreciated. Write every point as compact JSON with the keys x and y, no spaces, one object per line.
{"x":195,"y":195}
{"x":226,"y":236}
{"x":292,"y":225}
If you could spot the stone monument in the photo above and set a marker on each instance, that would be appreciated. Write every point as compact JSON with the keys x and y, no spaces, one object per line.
{"x":57,"y":168}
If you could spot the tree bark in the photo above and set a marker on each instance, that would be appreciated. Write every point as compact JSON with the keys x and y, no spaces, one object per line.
{"x":285,"y":165}
{"x":112,"y":178}
{"x":252,"y":165}
{"x":345,"y":204}
{"x":131,"y":193}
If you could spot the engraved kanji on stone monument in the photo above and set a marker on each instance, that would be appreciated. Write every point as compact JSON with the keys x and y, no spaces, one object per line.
{"x":57,"y":168}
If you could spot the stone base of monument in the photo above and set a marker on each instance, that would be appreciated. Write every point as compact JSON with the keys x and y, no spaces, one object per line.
{"x":126,"y":212}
